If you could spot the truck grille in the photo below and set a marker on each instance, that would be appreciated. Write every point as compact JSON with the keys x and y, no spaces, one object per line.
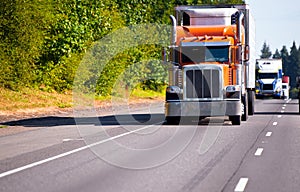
{"x":203,"y":83}
{"x":268,"y":87}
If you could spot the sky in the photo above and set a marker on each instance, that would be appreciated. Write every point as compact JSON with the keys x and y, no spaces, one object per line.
{"x":277,"y":23}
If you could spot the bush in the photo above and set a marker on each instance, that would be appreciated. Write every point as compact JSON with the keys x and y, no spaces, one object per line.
{"x":43,"y":42}
{"x":22,"y":26}
{"x":294,"y":93}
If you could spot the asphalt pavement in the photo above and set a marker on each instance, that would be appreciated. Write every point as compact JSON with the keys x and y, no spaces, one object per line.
{"x":134,"y":150}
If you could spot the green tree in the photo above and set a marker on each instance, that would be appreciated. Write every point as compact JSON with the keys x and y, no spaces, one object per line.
{"x":76,"y":25}
{"x":265,"y":52}
{"x":284,"y":54}
{"x":293,"y":64}
{"x":276,"y":55}
{"x":42,"y":42}
{"x":297,"y":67}
{"x":22,"y":25}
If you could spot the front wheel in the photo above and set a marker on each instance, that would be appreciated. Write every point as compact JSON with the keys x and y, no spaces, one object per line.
{"x":235,"y":120}
{"x":170,"y":120}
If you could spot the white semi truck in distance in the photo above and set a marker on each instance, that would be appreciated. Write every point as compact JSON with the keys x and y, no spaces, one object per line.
{"x":269,"y":78}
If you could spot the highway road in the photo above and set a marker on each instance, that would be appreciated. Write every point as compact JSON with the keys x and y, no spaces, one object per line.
{"x":136,"y":151}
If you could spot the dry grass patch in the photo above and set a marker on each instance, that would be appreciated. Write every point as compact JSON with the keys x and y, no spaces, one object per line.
{"x":12,"y":101}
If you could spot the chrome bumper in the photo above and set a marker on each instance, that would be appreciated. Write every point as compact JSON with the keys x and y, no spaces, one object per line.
{"x":203,"y":108}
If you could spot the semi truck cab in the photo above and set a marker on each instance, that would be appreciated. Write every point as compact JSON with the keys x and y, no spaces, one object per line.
{"x":209,"y":71}
{"x":269,"y":78}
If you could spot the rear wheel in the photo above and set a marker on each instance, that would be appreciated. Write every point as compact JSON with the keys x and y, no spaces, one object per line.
{"x":245,"y":107}
{"x":251,"y":96}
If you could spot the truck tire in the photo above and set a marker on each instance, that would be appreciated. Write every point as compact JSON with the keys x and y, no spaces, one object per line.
{"x":245,"y":107}
{"x":172,"y":120}
{"x":235,"y":120}
{"x":251,"y":101}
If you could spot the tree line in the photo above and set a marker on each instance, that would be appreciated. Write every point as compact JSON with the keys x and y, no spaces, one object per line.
{"x":43,"y":42}
{"x":290,"y":58}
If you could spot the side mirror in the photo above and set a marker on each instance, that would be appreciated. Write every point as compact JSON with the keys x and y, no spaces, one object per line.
{"x":239,"y":52}
{"x":243,"y":53}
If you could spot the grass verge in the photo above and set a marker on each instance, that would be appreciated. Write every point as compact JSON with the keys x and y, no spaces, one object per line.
{"x":30,"y":99}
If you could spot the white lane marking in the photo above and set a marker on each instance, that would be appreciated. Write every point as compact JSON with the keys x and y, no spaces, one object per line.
{"x":275,"y":123}
{"x":283,"y":107}
{"x":4,"y":174}
{"x":268,"y":134}
{"x":279,"y":116}
{"x":258,"y":151}
{"x":282,"y":111}
{"x":66,"y":140}
{"x":240,"y":187}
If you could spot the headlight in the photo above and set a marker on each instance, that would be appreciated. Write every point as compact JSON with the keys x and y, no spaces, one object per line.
{"x":232,"y":88}
{"x":174,"y":89}
{"x":278,"y":89}
{"x":232,"y":92}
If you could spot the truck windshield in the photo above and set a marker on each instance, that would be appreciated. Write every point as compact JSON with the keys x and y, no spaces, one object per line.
{"x":197,"y":54}
{"x":267,"y":75}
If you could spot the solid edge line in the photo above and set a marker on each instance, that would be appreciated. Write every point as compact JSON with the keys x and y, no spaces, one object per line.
{"x":240,"y":187}
{"x":4,"y":174}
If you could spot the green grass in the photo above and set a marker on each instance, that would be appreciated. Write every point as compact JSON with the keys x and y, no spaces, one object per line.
{"x":3,"y":126}
{"x":147,"y":94}
{"x":12,"y":101}
{"x":32,"y":98}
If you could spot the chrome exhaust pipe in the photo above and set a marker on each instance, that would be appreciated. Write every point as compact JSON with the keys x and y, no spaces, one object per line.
{"x":173,"y":39}
{"x":239,"y":26}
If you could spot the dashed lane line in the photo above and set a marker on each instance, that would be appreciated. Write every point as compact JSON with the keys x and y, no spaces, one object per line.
{"x":268,"y":134}
{"x":240,"y":187}
{"x":258,"y":151}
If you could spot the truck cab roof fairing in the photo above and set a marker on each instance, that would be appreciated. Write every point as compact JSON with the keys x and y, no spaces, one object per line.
{"x":194,"y":44}
{"x":219,"y":16}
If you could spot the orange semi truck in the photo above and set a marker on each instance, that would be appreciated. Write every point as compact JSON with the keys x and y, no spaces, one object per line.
{"x":211,"y":70}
